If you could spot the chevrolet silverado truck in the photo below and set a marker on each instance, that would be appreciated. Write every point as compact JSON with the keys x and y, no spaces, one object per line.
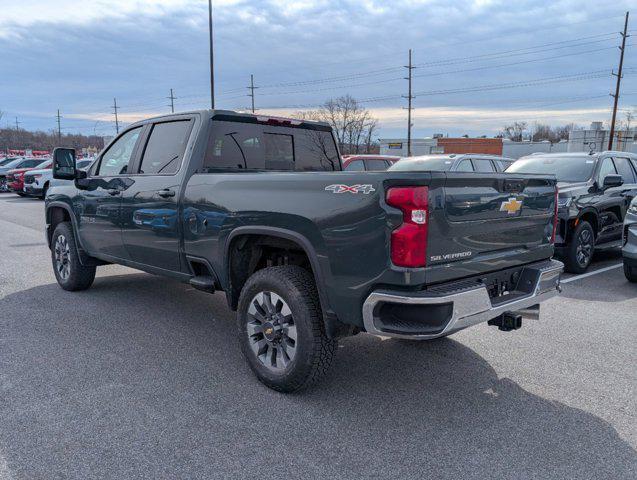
{"x":259,"y":208}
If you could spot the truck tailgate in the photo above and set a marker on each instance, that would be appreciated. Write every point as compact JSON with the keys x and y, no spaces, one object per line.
{"x":489,"y":217}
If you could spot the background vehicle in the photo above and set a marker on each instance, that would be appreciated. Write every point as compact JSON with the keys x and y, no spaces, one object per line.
{"x":258,"y":207}
{"x":453,"y":163}
{"x":629,"y":249}
{"x":16,"y":164}
{"x":370,"y":163}
{"x":15,"y":178}
{"x":595,"y":191}
{"x":37,"y":181}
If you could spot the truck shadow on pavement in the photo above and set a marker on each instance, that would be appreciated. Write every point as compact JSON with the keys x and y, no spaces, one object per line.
{"x":142,"y":377}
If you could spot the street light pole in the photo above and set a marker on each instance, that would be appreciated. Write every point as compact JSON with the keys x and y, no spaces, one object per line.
{"x":212,"y":63}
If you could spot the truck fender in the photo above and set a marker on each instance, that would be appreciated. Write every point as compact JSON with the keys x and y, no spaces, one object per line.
{"x":331,"y":322}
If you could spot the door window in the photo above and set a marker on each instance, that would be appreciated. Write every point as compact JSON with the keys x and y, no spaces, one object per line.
{"x":624,"y":169}
{"x":482,"y":165}
{"x":116,"y":159}
{"x":465,"y":166}
{"x":355,"y":166}
{"x":165,"y":147}
{"x":607,"y":168}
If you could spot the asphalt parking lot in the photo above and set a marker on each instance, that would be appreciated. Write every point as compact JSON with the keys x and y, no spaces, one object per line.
{"x":141,"y":377}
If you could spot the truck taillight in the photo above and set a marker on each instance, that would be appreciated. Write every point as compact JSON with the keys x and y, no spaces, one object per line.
{"x":409,"y":241}
{"x":555,"y":216}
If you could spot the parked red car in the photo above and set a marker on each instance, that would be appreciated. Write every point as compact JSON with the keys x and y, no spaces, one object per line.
{"x":15,"y":178}
{"x":358,"y":163}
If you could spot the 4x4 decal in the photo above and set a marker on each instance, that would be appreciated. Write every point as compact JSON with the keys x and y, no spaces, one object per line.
{"x":367,"y":188}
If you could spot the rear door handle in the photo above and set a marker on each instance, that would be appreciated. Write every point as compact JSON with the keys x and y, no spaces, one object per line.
{"x":166,"y":192}
{"x":113,"y":191}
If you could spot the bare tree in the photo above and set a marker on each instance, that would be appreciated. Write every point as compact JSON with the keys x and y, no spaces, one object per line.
{"x":353,"y":125}
{"x":514,"y":131}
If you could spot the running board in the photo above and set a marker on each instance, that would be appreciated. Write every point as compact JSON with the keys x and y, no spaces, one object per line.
{"x":205,"y":283}
{"x":609,"y":246}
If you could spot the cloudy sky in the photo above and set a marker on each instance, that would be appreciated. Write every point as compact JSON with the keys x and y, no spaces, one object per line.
{"x":480,"y":64}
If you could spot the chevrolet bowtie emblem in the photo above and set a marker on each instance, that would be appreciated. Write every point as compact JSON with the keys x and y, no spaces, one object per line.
{"x":511,"y":206}
{"x":269,"y":330}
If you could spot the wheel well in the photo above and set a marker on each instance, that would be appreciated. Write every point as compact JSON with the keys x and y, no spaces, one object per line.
{"x":249,"y":253}
{"x":55,"y":216}
{"x":591,"y":218}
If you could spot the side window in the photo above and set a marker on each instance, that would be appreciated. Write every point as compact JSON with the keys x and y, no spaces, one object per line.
{"x":279,"y":151}
{"x":482,"y":165}
{"x":234,"y":146}
{"x":355,"y":166}
{"x":465,"y":166}
{"x":115,"y":160}
{"x":607,"y":168}
{"x":624,"y":169}
{"x":165,"y":147}
{"x":376,"y":165}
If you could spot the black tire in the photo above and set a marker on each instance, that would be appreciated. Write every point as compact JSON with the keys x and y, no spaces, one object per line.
{"x":78,"y":276}
{"x":630,"y":273}
{"x":313,"y":352}
{"x":44,"y":190}
{"x":580,"y":251}
{"x":22,"y":194}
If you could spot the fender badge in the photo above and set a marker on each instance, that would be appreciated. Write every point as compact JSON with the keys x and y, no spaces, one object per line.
{"x":350,"y":188}
{"x":511,"y":206}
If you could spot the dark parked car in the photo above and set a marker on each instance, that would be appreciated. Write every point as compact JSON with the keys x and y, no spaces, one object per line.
{"x":369,"y":163}
{"x":595,"y":191}
{"x":259,"y":208}
{"x":466,"y":162}
{"x":629,"y":249}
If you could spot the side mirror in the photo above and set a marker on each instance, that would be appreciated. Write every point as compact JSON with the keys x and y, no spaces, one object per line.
{"x":64,"y":164}
{"x":613,"y":180}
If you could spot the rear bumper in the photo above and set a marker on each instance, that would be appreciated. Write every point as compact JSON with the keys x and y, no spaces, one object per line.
{"x":443,"y":314}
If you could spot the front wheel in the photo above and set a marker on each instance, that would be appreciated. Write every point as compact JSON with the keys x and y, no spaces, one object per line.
{"x":69,"y":272}
{"x":281,"y":330}
{"x":580,"y":251}
{"x":630,"y":273}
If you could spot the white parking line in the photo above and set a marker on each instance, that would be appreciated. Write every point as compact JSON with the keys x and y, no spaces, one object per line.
{"x":584,"y":275}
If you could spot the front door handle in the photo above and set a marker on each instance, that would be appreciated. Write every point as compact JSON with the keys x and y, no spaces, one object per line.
{"x":166,"y":192}
{"x":113,"y":191}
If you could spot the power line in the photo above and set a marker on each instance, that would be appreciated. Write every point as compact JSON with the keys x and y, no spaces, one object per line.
{"x":624,"y":34}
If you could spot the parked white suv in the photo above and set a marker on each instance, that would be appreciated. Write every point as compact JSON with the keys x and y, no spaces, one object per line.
{"x":36,"y":182}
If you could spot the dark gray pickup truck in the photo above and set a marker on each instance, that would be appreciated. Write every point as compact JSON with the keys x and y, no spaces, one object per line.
{"x":258,"y":207}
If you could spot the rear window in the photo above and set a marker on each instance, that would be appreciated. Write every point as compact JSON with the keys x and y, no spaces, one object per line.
{"x":29,"y":163}
{"x":565,"y":169}
{"x":376,"y":165}
{"x":252,"y":146}
{"x":483,"y":165}
{"x":422,"y":164}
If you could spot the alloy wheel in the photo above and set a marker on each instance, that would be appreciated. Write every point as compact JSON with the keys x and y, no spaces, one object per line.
{"x":584,"y":249}
{"x":271,"y":331}
{"x":62,"y":257}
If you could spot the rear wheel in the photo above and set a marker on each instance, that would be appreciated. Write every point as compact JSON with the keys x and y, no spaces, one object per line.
{"x":69,"y":272}
{"x":281,"y":330}
{"x":580,"y":251}
{"x":630,"y":272}
{"x":44,"y":190}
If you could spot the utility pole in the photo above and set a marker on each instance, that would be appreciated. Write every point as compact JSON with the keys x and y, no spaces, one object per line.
{"x":172,"y":101}
{"x":212,"y":59}
{"x":252,"y":88}
{"x":116,"y":119}
{"x":409,"y":98}
{"x":59,"y":128}
{"x":624,"y":34}
{"x":17,"y":124}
